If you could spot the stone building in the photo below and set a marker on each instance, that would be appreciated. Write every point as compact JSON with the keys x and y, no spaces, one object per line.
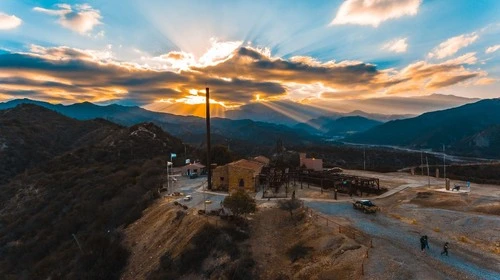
{"x":241,"y":174}
{"x":315,"y":164}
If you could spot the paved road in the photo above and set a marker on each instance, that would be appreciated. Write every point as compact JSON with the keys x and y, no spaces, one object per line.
{"x":384,"y":228}
{"x":193,"y":187}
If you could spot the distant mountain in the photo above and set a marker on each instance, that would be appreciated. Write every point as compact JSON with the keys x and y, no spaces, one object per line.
{"x":395,"y":105}
{"x":342,"y":126}
{"x":452,"y":127}
{"x":241,"y":135}
{"x":93,"y":178}
{"x":379,"y":117}
{"x":279,"y":112}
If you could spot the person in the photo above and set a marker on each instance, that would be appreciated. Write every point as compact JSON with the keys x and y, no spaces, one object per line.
{"x":445,"y":249}
{"x":424,"y":243}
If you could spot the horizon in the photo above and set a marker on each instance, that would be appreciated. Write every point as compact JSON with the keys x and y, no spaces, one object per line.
{"x":163,"y":59}
{"x":215,"y":112}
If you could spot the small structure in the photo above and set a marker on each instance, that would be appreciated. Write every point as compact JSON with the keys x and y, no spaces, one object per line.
{"x":315,"y":164}
{"x":241,"y":174}
{"x":262,"y":159}
{"x":193,"y":168}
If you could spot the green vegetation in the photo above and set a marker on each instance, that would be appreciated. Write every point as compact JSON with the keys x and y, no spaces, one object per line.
{"x":240,"y":203}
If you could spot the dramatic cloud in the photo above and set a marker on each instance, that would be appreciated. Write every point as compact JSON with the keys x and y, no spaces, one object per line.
{"x":453,"y":45}
{"x":9,"y":21}
{"x":245,"y":75}
{"x":396,"y":45}
{"x":373,"y":12}
{"x":77,"y":75}
{"x":423,"y":76}
{"x":81,"y":18}
{"x":492,"y":49}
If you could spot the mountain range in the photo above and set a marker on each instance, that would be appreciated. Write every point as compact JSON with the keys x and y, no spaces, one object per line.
{"x":290,"y":113}
{"x":471,"y":129}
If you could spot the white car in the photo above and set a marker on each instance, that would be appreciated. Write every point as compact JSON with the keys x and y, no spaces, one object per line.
{"x":188,"y":197}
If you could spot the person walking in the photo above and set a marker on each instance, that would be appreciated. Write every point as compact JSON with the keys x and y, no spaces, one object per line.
{"x":445,"y":249}
{"x":424,"y":242}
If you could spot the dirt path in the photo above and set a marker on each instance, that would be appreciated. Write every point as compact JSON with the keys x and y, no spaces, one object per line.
{"x":397,"y":245}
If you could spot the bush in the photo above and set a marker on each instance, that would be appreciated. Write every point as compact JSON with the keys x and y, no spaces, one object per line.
{"x":240,"y":203}
{"x":298,"y":251}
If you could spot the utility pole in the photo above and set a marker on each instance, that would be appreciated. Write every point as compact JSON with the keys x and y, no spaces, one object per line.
{"x":421,"y":164}
{"x":364,"y":158}
{"x":207,"y":101}
{"x":428,"y":176}
{"x":444,"y":164}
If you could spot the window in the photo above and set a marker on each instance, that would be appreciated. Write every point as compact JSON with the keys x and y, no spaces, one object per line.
{"x":242,"y":183}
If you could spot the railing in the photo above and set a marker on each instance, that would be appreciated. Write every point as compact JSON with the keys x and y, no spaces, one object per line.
{"x":346,"y":230}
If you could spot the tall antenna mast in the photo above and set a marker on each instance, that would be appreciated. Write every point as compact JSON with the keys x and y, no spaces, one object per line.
{"x":207,"y":101}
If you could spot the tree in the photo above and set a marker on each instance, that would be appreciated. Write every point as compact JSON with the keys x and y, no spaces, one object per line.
{"x":290,"y":205}
{"x":240,"y":203}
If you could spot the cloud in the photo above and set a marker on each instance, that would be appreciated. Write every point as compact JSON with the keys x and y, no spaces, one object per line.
{"x":492,"y":49}
{"x":71,"y":75}
{"x":373,"y":12}
{"x":79,"y":18}
{"x":396,"y":45}
{"x":96,"y":76}
{"x":425,"y":77}
{"x":9,"y":21}
{"x":453,"y":45}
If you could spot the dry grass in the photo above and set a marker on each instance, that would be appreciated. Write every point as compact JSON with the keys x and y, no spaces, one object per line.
{"x":404,"y":219}
{"x":436,"y":229}
{"x":464,"y":239}
{"x":492,"y":208}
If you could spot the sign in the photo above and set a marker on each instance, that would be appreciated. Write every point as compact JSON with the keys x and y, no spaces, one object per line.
{"x":172,"y":155}
{"x":188,"y":161}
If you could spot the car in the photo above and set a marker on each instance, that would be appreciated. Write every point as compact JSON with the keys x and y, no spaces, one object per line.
{"x":208,"y":201}
{"x":365,"y":205}
{"x":188,"y":197}
{"x":193,"y":176}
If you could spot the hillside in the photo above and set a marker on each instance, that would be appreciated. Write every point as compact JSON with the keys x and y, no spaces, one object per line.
{"x":70,"y":209}
{"x":30,"y":134}
{"x":450,"y":127}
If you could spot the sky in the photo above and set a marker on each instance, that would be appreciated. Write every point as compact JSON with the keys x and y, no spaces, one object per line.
{"x":162,"y":54}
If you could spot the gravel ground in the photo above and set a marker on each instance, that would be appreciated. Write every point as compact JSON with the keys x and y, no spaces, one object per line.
{"x":396,"y":243}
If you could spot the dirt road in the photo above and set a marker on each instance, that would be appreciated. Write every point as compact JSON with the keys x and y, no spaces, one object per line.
{"x":400,"y":242}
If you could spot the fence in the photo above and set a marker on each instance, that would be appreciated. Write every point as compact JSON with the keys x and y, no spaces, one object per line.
{"x":348,"y":231}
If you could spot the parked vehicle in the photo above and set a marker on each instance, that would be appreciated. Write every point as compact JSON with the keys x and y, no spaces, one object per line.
{"x":188,"y":197}
{"x":365,"y":205}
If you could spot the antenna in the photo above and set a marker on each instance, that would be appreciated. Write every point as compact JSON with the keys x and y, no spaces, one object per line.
{"x":207,"y":101}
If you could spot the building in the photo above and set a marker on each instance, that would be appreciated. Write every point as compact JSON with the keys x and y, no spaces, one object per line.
{"x":241,"y":174}
{"x":315,"y":164}
{"x":193,"y":168}
{"x":262,"y":159}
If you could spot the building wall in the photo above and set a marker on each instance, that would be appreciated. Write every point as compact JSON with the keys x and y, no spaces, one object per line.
{"x":236,"y":174}
{"x":310,"y":163}
{"x":231,"y":178}
{"x":220,"y":178}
